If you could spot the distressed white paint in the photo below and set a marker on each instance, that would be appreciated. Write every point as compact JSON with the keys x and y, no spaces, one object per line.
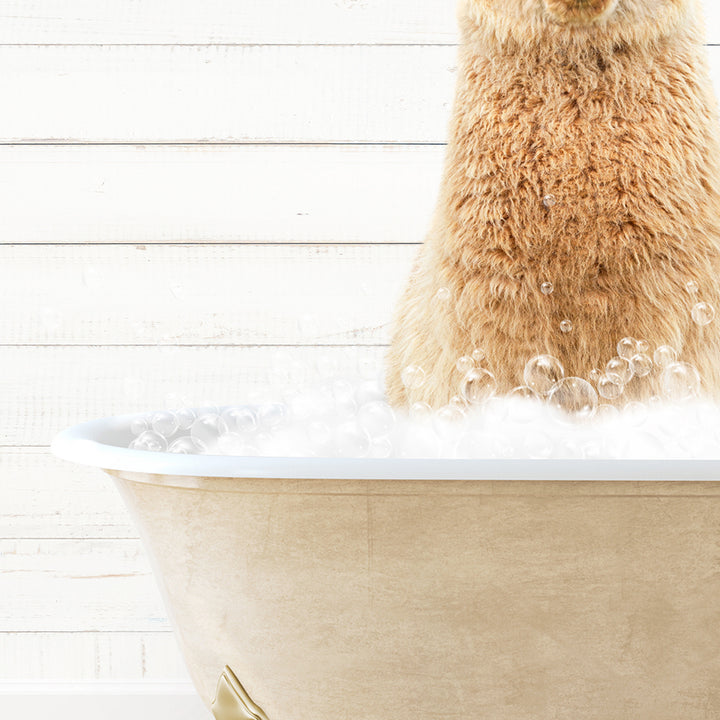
{"x":77,"y":585}
{"x":223,"y":21}
{"x":339,"y":94}
{"x":44,"y":389}
{"x":220,"y":21}
{"x":197,"y":294}
{"x":90,"y":656}
{"x":44,"y":497}
{"x":109,"y":701}
{"x":239,"y":94}
{"x":209,"y":194}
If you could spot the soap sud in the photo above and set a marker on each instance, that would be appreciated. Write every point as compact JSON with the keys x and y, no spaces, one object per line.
{"x":351,"y":418}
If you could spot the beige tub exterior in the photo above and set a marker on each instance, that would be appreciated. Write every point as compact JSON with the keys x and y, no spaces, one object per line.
{"x":398,"y":599}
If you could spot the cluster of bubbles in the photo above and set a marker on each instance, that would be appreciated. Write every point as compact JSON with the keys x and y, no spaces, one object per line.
{"x":551,"y":415}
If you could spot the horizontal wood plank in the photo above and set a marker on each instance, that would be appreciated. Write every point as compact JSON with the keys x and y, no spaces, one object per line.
{"x":81,"y":656}
{"x":215,"y":194}
{"x":200,"y":294}
{"x":42,"y":497}
{"x":220,"y":21}
{"x":44,"y":389}
{"x":77,"y":585}
{"x":225,"y":94}
{"x":307,"y":94}
{"x":107,"y":700}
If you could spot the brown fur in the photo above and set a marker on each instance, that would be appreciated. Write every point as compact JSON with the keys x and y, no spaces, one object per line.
{"x":608,"y":106}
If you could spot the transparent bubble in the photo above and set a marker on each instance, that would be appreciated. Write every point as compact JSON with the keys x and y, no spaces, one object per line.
{"x":465,"y":364}
{"x":272,"y":415}
{"x":419,"y":410}
{"x":241,"y":420}
{"x":459,"y":403}
{"x":641,"y":365}
{"x":643,"y":347}
{"x":206,"y":429}
{"x":691,"y":287}
{"x":150,"y":441}
{"x":446,"y":421}
{"x":680,"y":381}
{"x":138,"y":425}
{"x":413,"y":377}
{"x":165,"y":423}
{"x":665,"y":355}
{"x":635,"y":412}
{"x":230,"y":443}
{"x":208,"y":408}
{"x":310,"y":402}
{"x":542,"y":372}
{"x":351,"y":440}
{"x":377,"y":418}
{"x":546,"y":288}
{"x":703,"y":313}
{"x":523,"y":391}
{"x":369,"y":391}
{"x":478,"y":356}
{"x":549,"y":201}
{"x":595,"y":375}
{"x":607,"y":412}
{"x":478,"y":385}
{"x":619,"y":366}
{"x":185,"y":418}
{"x":574,"y":396}
{"x":566,"y":326}
{"x":346,"y":408}
{"x":610,"y":386}
{"x":627,"y":347}
{"x":173,"y":401}
{"x":185,"y":445}
{"x":443,"y":295}
{"x":381,"y":448}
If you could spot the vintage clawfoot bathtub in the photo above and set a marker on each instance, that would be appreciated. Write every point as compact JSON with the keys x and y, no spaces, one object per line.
{"x":399,"y":589}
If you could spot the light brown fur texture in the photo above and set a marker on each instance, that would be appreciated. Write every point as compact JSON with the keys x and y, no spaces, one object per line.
{"x":608,"y":106}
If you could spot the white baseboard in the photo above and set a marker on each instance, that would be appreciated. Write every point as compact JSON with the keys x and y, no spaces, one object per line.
{"x":114,"y":700}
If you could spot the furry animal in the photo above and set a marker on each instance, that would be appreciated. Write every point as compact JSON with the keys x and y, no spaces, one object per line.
{"x":583,"y":151}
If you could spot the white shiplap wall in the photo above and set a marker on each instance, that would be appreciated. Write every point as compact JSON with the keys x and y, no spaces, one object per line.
{"x":184,"y":185}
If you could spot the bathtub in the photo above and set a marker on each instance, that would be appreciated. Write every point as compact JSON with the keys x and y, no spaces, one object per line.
{"x":328,"y":589}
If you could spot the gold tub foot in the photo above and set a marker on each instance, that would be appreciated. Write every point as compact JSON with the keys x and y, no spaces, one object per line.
{"x":232,"y":701}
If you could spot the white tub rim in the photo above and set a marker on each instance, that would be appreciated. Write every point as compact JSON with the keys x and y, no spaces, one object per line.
{"x":91,"y":443}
